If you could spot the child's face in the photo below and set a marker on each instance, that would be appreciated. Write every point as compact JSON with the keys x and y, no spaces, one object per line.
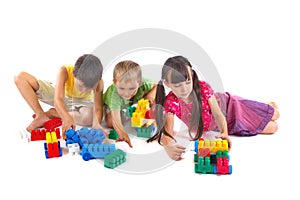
{"x":80,"y":86}
{"x":182,"y":89}
{"x":127,"y":89}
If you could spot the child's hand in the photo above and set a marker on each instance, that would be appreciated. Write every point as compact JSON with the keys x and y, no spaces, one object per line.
{"x":225,"y":136}
{"x":174,"y":151}
{"x":67,"y":123}
{"x":125,"y":138}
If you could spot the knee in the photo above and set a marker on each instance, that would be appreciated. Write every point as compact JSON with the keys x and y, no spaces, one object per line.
{"x":19,"y":77}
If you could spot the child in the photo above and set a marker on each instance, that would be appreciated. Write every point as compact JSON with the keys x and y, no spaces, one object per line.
{"x":128,"y":87}
{"x":77,"y":88}
{"x":243,"y":117}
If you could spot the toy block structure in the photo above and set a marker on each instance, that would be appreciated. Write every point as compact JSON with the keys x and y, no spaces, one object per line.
{"x":52,"y":146}
{"x":211,"y":157}
{"x":84,"y":136}
{"x":138,"y":116}
{"x":92,"y":151}
{"x":40,"y":134}
{"x":53,"y":123}
{"x":114,"y":159}
{"x":113,"y":134}
{"x":142,"y":118}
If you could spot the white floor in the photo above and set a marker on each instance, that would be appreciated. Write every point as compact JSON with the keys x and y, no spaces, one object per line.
{"x":263,"y":164}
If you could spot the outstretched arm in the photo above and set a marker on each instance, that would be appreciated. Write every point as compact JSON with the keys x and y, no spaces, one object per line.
{"x":118,"y":126}
{"x":59,"y":95}
{"x":173,"y":150}
{"x":220,"y":119}
{"x":151,"y":94}
{"x":98,"y":107}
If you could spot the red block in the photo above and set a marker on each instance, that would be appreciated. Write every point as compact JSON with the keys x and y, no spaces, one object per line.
{"x":53,"y":123}
{"x":40,"y":134}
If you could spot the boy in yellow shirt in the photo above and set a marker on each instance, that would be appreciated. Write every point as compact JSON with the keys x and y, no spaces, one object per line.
{"x":77,"y":96}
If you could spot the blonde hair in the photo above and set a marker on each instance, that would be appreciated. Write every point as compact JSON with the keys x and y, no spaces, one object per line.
{"x":127,"y":70}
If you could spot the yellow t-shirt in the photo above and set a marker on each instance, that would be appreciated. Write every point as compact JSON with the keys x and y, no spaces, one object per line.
{"x":71,"y":91}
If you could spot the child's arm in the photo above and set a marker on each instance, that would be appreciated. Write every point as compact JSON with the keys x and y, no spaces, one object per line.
{"x":173,"y":150}
{"x":118,"y":126}
{"x":59,"y":95}
{"x":98,"y":106}
{"x":151,"y":94}
{"x":220,"y":119}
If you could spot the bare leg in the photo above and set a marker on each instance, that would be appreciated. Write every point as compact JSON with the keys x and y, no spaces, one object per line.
{"x":83,"y":117}
{"x":28,"y":85}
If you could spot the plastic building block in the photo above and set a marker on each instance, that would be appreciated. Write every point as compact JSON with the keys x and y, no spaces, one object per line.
{"x":40,"y":134}
{"x":114,"y":159}
{"x":53,"y":123}
{"x":92,"y":151}
{"x":52,"y":146}
{"x":113,"y":134}
{"x":130,"y":110}
{"x":223,"y":166}
{"x":74,"y":148}
{"x":204,"y":166}
{"x":213,"y":145}
{"x":145,"y":132}
{"x":84,"y":136}
{"x":150,"y":114}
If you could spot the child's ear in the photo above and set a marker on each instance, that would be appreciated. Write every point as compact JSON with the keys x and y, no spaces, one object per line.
{"x":140,"y":82}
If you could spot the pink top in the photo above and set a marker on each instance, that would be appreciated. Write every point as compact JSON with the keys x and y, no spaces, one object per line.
{"x":183,"y":110}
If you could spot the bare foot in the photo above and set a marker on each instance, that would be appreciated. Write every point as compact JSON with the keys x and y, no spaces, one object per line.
{"x":273,"y":104}
{"x":51,"y":113}
{"x":38,"y":122}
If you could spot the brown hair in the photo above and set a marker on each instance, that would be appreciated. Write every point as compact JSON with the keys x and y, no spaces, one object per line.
{"x":88,"y":69}
{"x":126,"y":71}
{"x":176,"y":68}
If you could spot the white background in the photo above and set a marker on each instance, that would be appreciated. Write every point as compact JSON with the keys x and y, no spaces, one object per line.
{"x":253,"y":44}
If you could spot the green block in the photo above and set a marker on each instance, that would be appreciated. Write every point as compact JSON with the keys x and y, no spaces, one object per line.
{"x":114,"y":159}
{"x":144,"y":132}
{"x":130,"y":110}
{"x":113,"y":134}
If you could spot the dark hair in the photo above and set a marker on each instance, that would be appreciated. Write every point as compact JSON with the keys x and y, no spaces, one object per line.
{"x":88,"y":69}
{"x":176,"y":69}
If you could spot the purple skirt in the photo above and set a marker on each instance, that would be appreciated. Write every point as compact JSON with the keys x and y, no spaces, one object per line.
{"x":244,"y":117}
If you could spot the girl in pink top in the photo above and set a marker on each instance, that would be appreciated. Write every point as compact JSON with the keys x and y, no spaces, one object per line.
{"x":221,"y":112}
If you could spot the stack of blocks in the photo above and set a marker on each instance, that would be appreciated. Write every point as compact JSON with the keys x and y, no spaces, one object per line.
{"x":91,"y":143}
{"x":52,"y":145}
{"x":142,"y":118}
{"x":212,"y":157}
